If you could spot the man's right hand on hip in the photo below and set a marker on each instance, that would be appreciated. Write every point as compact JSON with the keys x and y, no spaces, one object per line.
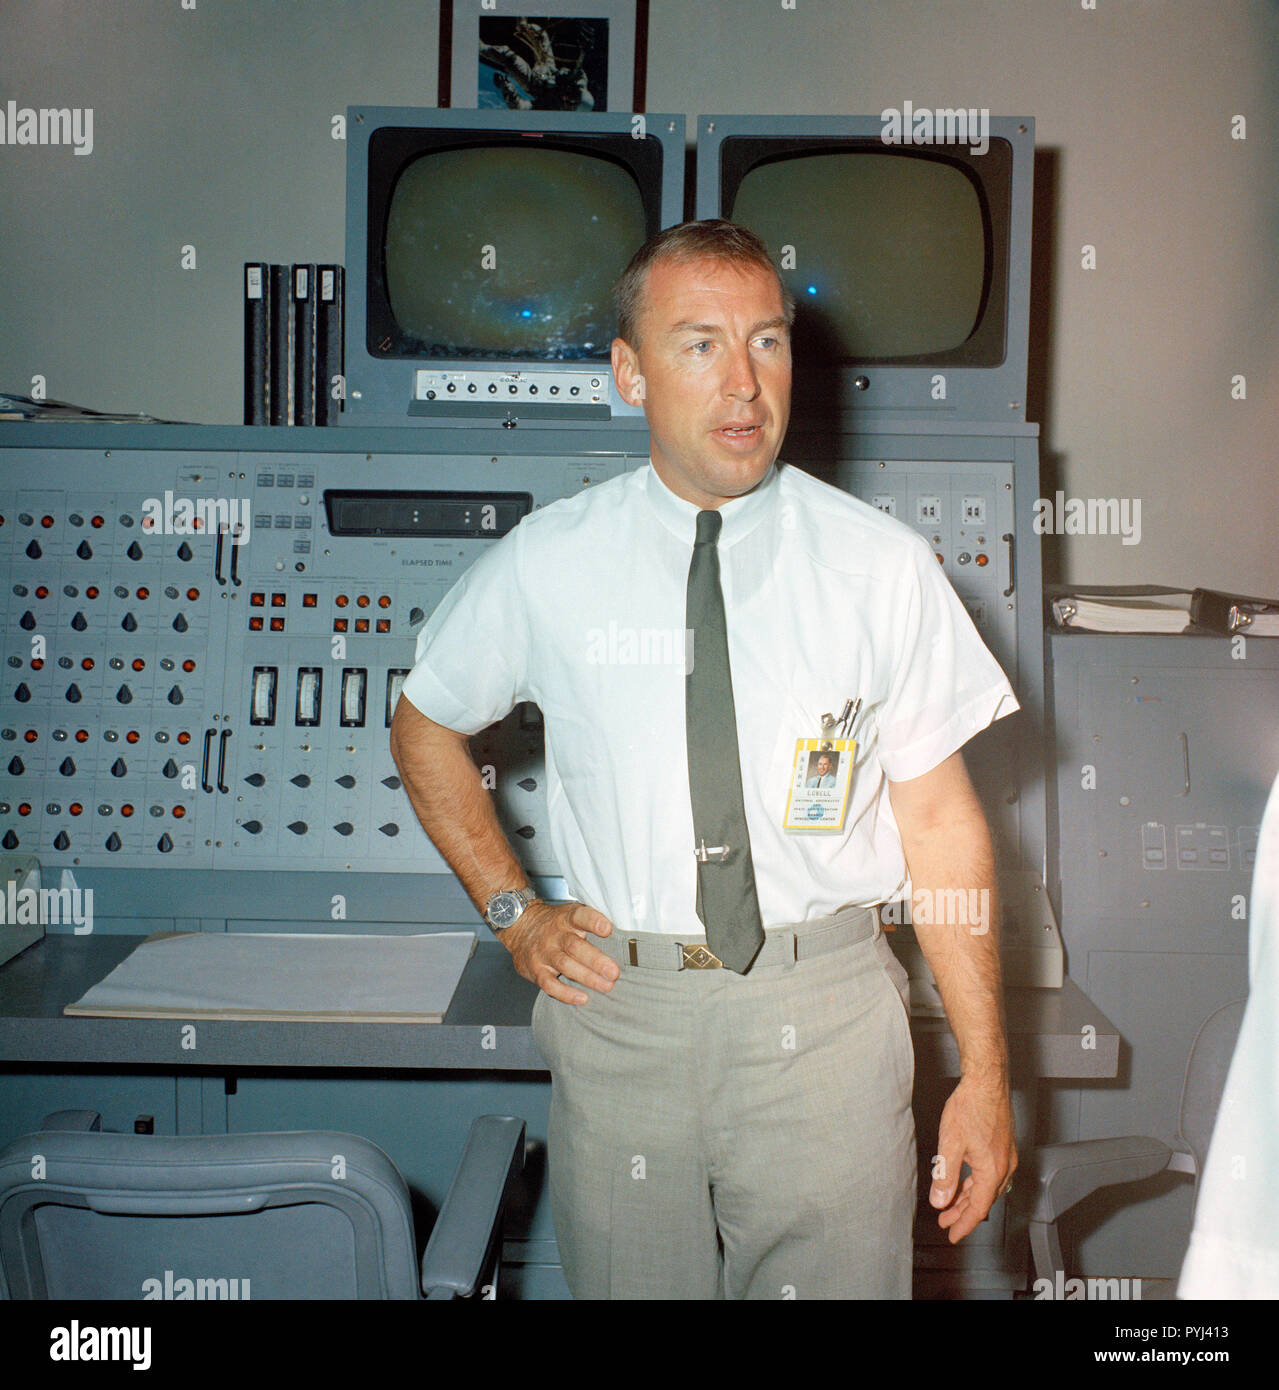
{"x":551,"y":939}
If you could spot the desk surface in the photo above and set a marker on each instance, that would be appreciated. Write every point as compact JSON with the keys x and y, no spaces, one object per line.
{"x":487,"y":1027}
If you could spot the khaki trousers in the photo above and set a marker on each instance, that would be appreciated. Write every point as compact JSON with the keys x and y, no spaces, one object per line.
{"x":715,"y":1135}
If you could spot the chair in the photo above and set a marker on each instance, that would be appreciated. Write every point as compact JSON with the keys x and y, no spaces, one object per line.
{"x":301,"y":1215}
{"x":1067,"y":1173}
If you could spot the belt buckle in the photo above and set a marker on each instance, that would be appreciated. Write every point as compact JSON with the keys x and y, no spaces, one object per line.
{"x":698,"y":958}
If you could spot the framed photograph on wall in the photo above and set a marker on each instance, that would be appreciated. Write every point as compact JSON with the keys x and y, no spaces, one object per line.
{"x":550,"y":55}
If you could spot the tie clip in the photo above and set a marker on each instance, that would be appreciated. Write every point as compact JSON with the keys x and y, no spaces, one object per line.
{"x":704,"y":851}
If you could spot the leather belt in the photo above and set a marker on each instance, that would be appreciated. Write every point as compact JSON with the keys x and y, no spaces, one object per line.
{"x":782,"y":945}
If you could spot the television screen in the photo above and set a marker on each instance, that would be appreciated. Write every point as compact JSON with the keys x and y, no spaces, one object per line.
{"x":508,"y":251}
{"x":891,"y":253}
{"x":893,"y":256}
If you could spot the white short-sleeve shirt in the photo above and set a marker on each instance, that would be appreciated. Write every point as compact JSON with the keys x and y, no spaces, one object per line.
{"x":1234,"y":1247}
{"x":581,"y":609}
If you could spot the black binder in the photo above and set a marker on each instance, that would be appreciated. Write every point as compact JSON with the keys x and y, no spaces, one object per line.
{"x":304,"y":384}
{"x":329,"y":379}
{"x":257,"y":342}
{"x":281,"y":394}
{"x":1231,"y":613}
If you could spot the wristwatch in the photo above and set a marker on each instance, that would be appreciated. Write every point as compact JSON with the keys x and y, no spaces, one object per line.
{"x":504,"y":909}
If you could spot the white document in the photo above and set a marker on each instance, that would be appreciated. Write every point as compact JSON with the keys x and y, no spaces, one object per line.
{"x":309,"y":977}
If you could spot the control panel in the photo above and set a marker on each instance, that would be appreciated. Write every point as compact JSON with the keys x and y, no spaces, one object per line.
{"x":480,"y":392}
{"x":1166,"y":754}
{"x":965,"y":512}
{"x":202,"y":654}
{"x":203,"y":649}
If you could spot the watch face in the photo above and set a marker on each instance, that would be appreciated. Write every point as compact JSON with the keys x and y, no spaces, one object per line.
{"x":504,"y":909}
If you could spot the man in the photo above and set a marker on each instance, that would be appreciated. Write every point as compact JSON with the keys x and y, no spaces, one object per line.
{"x":825,"y":777}
{"x":731,"y":1101}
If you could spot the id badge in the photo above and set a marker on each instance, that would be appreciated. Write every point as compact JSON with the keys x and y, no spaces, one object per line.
{"x":821,"y":776}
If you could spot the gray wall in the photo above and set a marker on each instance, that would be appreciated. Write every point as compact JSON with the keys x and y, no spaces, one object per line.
{"x":212,"y":129}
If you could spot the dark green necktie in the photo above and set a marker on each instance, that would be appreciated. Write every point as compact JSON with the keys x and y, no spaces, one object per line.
{"x":726,"y":900}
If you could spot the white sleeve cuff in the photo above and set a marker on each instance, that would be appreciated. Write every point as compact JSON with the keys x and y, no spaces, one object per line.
{"x":424,"y":691}
{"x":921,"y":755}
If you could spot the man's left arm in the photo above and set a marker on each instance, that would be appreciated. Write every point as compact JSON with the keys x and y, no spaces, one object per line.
{"x":951,"y":863}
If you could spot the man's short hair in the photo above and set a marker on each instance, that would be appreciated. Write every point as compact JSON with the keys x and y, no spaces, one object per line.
{"x":713,"y":239}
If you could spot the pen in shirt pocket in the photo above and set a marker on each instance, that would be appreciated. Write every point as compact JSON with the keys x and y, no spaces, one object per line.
{"x":847,"y":721}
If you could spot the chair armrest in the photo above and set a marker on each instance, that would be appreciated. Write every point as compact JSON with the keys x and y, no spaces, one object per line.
{"x":89,"y":1120}
{"x":464,"y":1230}
{"x":1067,"y":1173}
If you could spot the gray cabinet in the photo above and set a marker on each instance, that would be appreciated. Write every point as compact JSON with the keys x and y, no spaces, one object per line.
{"x":1166,"y":748}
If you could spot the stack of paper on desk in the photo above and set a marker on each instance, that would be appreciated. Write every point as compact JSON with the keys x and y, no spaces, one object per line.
{"x":306,"y":977}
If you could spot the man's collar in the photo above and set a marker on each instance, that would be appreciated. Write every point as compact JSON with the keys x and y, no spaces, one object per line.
{"x":741,"y":514}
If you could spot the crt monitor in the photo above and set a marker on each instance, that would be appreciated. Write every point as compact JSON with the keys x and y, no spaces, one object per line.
{"x":905,"y":239}
{"x":481,"y":252}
